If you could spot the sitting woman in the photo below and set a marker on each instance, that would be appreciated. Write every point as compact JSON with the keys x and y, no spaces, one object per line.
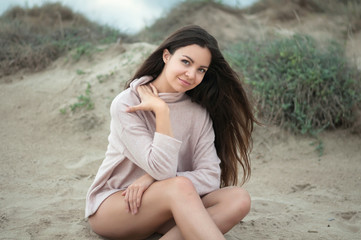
{"x":178,"y":134}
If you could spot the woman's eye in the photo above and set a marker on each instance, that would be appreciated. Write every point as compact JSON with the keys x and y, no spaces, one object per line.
{"x":202,"y":70}
{"x":185,"y":62}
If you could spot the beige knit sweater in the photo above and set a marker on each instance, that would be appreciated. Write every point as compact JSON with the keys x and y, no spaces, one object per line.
{"x":135,"y":148}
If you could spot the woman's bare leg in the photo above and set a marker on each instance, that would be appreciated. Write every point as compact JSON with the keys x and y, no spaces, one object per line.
{"x":172,"y":198}
{"x":226,"y":206}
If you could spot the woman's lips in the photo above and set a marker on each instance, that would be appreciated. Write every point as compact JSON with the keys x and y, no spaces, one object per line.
{"x":183,"y":82}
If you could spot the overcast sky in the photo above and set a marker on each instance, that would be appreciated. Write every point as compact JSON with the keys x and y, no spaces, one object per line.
{"x":128,"y":16}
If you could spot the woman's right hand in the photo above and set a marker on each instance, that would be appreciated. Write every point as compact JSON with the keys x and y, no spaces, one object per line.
{"x":134,"y":193}
{"x":149,"y":100}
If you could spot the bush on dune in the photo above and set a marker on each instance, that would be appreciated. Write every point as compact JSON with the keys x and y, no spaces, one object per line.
{"x":286,"y":10}
{"x":32,"y":38}
{"x":299,"y":85}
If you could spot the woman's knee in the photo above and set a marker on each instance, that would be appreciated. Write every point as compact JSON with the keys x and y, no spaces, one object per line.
{"x":245,"y":200}
{"x":179,"y":187}
{"x":183,"y":184}
{"x":241,"y":203}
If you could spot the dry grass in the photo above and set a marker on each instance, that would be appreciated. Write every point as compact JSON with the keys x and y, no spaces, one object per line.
{"x":285,"y":10}
{"x":184,"y":13}
{"x":32,"y":38}
{"x":277,"y":10}
{"x":285,"y":5}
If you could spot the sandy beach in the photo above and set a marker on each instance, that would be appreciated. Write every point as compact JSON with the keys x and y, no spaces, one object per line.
{"x":49,"y":156}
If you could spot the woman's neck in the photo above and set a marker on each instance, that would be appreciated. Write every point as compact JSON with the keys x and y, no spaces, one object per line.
{"x":162,"y":85}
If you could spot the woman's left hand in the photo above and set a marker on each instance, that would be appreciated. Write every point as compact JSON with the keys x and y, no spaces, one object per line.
{"x":133,"y":194}
{"x":150,"y":101}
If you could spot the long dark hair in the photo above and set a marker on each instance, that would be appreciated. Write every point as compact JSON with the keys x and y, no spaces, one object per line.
{"x":221,"y":93}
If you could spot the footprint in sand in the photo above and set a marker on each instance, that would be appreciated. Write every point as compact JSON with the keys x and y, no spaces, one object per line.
{"x":266,"y":205}
{"x":85,"y":160}
{"x":302,"y":187}
{"x":3,"y":219}
{"x":349,"y":221}
{"x":86,"y":166}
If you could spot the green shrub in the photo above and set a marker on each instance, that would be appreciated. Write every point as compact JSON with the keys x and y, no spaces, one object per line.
{"x":297,"y":84}
{"x":84,"y":101}
{"x":83,"y":50}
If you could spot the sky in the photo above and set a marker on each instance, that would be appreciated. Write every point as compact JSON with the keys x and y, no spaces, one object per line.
{"x":129,"y":16}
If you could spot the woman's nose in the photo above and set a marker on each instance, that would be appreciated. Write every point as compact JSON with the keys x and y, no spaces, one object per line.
{"x":191,"y":73}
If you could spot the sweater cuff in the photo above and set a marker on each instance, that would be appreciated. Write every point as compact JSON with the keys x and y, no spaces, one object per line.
{"x":165,"y":140}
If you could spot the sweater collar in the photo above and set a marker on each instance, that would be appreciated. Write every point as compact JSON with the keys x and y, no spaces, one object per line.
{"x":167,"y":97}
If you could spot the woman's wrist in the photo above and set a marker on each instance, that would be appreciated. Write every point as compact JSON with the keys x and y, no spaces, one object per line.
{"x":162,"y":120}
{"x":161,"y":109}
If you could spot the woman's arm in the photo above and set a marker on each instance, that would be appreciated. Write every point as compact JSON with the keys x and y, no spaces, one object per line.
{"x":151,"y":102}
{"x":155,"y":150}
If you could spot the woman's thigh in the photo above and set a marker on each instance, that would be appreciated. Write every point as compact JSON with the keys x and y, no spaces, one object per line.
{"x":113,"y":221}
{"x":227,"y":206}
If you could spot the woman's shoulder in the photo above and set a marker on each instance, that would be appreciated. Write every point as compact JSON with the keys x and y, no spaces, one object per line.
{"x":130,"y":96}
{"x":125,"y":98}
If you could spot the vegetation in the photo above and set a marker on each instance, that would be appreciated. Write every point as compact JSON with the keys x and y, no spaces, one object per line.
{"x":104,"y":77}
{"x":299,"y":85}
{"x":32,"y":38}
{"x":293,"y":9}
{"x":182,"y":14}
{"x":84,"y":102}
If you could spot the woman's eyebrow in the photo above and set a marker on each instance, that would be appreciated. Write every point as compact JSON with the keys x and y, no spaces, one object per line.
{"x":190,"y":59}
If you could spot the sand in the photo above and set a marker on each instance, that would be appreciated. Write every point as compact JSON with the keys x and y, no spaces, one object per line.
{"x":49,"y":158}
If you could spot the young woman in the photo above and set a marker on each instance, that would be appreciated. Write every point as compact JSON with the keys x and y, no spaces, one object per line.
{"x":178,"y":133}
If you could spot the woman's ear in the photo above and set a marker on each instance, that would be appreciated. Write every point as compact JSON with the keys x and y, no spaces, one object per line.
{"x":166,"y":55}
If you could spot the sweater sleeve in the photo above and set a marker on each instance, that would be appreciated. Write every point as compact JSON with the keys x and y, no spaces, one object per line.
{"x":206,"y":170}
{"x":155,"y":153}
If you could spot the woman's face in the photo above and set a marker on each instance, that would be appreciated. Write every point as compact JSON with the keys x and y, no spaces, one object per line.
{"x":184,"y":69}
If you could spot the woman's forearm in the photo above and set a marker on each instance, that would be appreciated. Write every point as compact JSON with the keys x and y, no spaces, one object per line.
{"x":163,"y":124}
